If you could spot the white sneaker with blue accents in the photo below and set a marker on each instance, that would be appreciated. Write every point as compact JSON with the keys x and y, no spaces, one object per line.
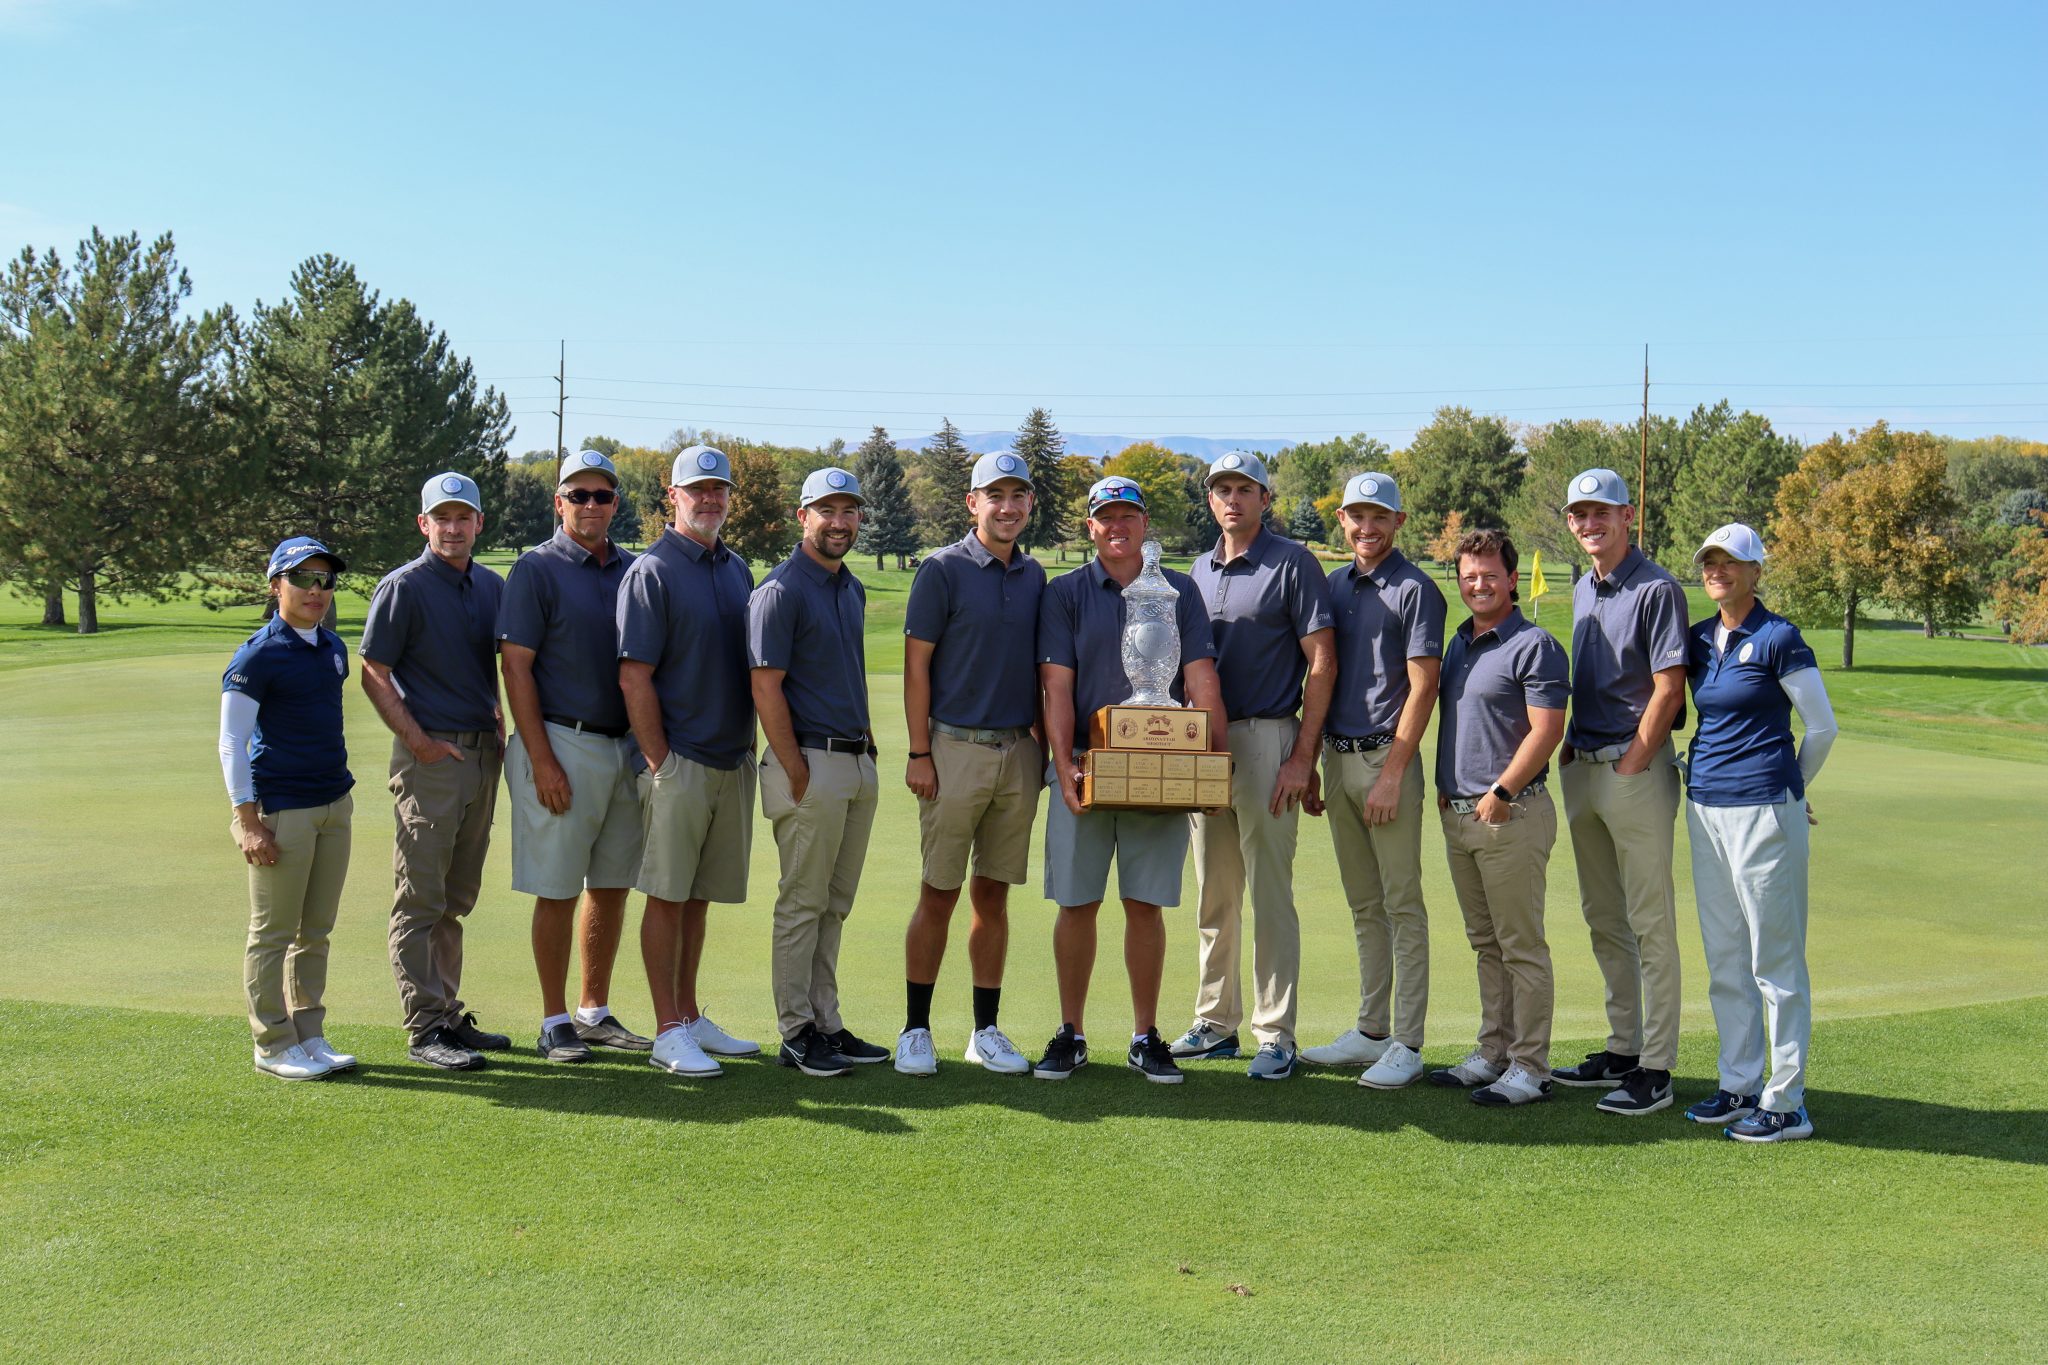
{"x":1274,"y":1062}
{"x":992,"y":1048}
{"x":1205,"y":1040}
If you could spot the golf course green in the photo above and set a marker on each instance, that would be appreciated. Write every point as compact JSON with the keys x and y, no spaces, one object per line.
{"x":162,"y":1199}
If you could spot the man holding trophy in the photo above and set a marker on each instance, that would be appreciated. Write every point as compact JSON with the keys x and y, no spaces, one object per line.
{"x":1119,"y":630}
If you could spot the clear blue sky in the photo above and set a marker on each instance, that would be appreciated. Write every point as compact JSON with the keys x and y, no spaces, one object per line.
{"x":1828,"y":214}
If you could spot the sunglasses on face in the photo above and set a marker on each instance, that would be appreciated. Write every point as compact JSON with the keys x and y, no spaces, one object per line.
{"x":603,"y":497}
{"x":310,"y":579}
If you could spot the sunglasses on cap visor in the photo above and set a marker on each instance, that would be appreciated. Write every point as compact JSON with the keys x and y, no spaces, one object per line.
{"x":1127,"y":493}
{"x":309,"y":579}
{"x":603,"y":497}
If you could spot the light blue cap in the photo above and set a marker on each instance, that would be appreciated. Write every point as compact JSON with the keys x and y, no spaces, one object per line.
{"x":699,"y":464}
{"x":1240,"y":462}
{"x":1737,"y":541}
{"x":1372,"y":487}
{"x":830,"y":483}
{"x":289,"y":554}
{"x":1115,"y":488}
{"x":587,"y":462}
{"x":1598,"y":485}
{"x":1001,"y":465}
{"x":450,"y":487}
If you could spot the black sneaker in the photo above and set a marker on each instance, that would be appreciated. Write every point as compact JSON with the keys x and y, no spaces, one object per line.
{"x":1640,"y":1092}
{"x":560,"y":1044}
{"x":437,"y":1047}
{"x":613,"y":1036}
{"x":1151,"y":1058}
{"x":855,"y":1050}
{"x":465,"y":1032}
{"x":1602,"y":1069}
{"x":809,"y":1053}
{"x":1064,"y":1055}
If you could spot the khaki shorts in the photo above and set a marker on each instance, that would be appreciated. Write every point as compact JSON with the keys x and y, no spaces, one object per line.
{"x":596,"y":842}
{"x":699,"y":827}
{"x":987,"y":803}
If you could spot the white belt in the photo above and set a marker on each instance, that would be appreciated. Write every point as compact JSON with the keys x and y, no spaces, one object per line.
{"x":1609,"y":754}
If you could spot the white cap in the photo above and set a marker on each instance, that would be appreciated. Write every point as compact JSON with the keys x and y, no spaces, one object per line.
{"x":1736,"y":541}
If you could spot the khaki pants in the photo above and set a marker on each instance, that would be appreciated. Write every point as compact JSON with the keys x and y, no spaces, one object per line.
{"x":292,"y":906}
{"x":1249,"y":845}
{"x":1381,"y":866}
{"x":1622,"y":829}
{"x":1498,"y":872}
{"x":822,"y":841}
{"x":444,"y":830}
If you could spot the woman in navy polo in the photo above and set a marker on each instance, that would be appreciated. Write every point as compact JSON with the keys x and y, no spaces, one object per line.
{"x":1747,"y":817}
{"x":282,"y":752}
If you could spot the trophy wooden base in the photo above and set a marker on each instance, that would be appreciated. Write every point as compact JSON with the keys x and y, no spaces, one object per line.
{"x":1174,"y":729}
{"x":1124,"y":779}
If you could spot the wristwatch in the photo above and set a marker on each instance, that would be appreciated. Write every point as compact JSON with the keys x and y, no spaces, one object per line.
{"x":1503,"y":793}
{"x":926,"y":754}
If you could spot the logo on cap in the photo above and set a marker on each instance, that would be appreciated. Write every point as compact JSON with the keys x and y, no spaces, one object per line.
{"x":1722,"y":534}
{"x":451,"y":484}
{"x":1232,"y":461}
{"x":707,"y":461}
{"x":1744,"y":653}
{"x":1370,"y":486}
{"x":1589,"y":484}
{"x":592,"y":460}
{"x":1007,"y":463}
{"x":836,"y":479}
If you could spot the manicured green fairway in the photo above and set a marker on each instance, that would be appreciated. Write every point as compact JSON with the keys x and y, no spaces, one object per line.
{"x":161,"y":1199}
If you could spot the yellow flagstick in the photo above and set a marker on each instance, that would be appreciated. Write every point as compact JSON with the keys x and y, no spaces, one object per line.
{"x":1538,"y":585}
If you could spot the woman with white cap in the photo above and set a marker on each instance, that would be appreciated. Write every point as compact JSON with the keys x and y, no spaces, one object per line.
{"x":1747,"y":817}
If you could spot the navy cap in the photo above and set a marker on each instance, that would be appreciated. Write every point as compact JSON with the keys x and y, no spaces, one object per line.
{"x":1002,"y":465}
{"x":1115,"y":488}
{"x":289,"y":554}
{"x":1240,"y":462}
{"x":827,"y":483}
{"x":699,"y":464}
{"x":1371,"y":487}
{"x":1737,"y":541}
{"x":1598,"y":485}
{"x":450,"y":487}
{"x":587,"y":462}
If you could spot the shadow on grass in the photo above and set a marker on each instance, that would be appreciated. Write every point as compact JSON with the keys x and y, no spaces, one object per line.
{"x":875,"y":1100}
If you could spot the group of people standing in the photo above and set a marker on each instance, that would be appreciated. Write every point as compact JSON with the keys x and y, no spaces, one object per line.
{"x":636,"y":685}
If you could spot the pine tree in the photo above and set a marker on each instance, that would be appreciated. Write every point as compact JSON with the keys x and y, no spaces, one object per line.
{"x":1042,"y":448}
{"x":947,"y":466}
{"x":888,"y":526}
{"x":1306,"y":525}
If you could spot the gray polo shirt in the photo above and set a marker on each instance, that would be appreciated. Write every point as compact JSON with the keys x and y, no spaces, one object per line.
{"x":1384,"y":619}
{"x":1489,"y":684}
{"x":808,"y":621}
{"x":1260,"y":606}
{"x":981,"y":617}
{"x":683,"y":609}
{"x":1625,"y":627}
{"x":561,"y":602}
{"x":1081,"y":626}
{"x":436,"y":629}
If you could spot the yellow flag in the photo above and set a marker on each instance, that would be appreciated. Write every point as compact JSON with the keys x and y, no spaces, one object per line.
{"x":1538,"y":584}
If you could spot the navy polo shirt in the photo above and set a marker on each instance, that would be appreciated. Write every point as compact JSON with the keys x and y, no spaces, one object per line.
{"x":435,"y":627}
{"x":1081,"y":626}
{"x":1384,"y":619}
{"x":683,"y":609}
{"x":808,"y":621}
{"x":1625,"y":627}
{"x":561,"y":602}
{"x":1489,"y":684}
{"x":1743,"y":753}
{"x":981,"y":617}
{"x":1261,"y":604}
{"x":297,"y":755}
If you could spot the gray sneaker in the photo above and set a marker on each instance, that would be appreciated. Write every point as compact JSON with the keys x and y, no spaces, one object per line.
{"x":612,"y":1035}
{"x":1273,"y":1063}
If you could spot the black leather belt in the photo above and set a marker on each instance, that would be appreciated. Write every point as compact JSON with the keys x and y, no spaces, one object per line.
{"x":832,"y":744}
{"x":584,"y":727}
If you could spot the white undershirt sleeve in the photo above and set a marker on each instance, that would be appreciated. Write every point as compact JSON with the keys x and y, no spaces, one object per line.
{"x":237,"y":725}
{"x":1810,"y":698}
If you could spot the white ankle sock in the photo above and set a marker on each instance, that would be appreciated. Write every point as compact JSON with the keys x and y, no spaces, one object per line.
{"x":552,"y":1020}
{"x":592,"y":1014}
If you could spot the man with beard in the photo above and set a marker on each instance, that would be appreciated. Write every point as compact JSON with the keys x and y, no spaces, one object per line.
{"x":682,"y":627}
{"x":575,"y":815}
{"x":427,"y":647}
{"x":970,"y":701}
{"x":818,"y":788}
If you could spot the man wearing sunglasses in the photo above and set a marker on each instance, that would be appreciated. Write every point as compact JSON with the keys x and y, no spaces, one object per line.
{"x":427,"y":667}
{"x":575,"y":810}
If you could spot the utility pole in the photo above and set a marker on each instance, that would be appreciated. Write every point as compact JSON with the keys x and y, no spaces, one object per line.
{"x":1643,"y":467}
{"x":562,"y":401}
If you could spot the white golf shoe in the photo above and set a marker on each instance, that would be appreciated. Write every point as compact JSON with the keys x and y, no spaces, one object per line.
{"x":991,"y":1048}
{"x":717,"y":1042}
{"x":1399,"y":1065}
{"x":292,"y":1064}
{"x":319,"y":1050}
{"x":914,"y":1053}
{"x":677,"y":1053}
{"x":1351,"y":1049}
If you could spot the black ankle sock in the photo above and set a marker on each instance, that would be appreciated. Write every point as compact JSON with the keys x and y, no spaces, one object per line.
{"x":987,"y":999}
{"x":918,"y":1010}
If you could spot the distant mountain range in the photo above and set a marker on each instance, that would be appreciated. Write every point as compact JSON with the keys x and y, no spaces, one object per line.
{"x":1096,"y":447}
